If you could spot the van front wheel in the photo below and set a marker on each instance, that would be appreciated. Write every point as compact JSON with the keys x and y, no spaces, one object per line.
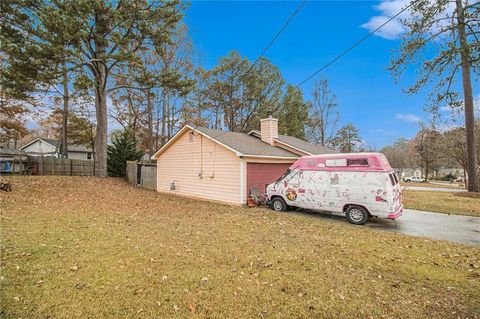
{"x":357,"y":215}
{"x":278,"y":204}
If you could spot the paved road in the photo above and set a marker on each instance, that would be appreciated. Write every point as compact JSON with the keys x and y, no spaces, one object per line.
{"x":460,"y":229}
{"x":435,"y":189}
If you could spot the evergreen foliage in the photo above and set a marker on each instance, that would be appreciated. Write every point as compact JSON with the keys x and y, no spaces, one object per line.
{"x":347,"y":139}
{"x":294,"y":113}
{"x":122,"y":149}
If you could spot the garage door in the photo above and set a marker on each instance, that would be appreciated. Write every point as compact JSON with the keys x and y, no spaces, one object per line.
{"x":260,"y":174}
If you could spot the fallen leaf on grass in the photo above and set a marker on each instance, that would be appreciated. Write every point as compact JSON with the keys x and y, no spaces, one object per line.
{"x":192,"y":308}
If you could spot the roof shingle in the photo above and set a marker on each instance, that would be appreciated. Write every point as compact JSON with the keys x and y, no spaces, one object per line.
{"x":302,"y":145}
{"x":305,"y":146}
{"x":245,"y":144}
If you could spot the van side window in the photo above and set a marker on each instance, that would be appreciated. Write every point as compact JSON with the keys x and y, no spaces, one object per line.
{"x":396,"y":178}
{"x":392,"y":179}
{"x":357,"y":162}
{"x":336,"y":162}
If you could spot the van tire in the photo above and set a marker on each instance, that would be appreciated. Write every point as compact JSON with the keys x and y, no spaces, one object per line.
{"x":278,"y":204}
{"x":356,"y":215}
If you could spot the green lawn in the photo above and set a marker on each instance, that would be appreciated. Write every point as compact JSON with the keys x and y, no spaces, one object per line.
{"x":76,"y":247}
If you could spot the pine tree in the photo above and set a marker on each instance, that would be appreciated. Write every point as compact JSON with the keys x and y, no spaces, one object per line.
{"x":96,"y":36}
{"x":123,"y":149}
{"x":293,"y":114}
{"x":347,"y":139}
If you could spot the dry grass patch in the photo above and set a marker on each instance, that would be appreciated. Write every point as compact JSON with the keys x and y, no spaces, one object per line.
{"x":468,"y":194}
{"x":77,"y":247}
{"x":430,"y":185}
{"x":443,"y":202}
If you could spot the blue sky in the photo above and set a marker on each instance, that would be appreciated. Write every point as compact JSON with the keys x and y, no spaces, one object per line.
{"x":366,"y":92}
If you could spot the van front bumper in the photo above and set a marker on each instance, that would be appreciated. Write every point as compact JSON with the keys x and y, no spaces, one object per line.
{"x":396,"y":213}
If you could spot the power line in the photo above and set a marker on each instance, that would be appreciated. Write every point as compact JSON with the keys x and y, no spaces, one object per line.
{"x":355,"y":45}
{"x":276,"y":36}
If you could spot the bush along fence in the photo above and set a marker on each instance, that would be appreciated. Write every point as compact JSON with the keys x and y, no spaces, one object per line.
{"x":142,"y":174}
{"x":61,"y":166}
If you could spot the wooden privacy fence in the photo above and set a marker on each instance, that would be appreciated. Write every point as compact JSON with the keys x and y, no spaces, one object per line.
{"x":142,"y":173}
{"x":61,"y":166}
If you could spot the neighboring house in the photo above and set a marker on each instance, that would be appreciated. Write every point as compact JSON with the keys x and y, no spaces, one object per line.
{"x":442,"y":172}
{"x":13,"y":161}
{"x":224,"y":166}
{"x":49,"y":147}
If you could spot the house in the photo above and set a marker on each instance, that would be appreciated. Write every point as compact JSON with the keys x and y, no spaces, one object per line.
{"x":49,"y":147}
{"x":224,"y":166}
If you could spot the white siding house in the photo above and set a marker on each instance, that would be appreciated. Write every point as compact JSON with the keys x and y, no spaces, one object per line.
{"x":49,"y":147}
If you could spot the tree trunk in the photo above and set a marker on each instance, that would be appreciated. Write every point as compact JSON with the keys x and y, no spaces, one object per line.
{"x":169,"y":122}
{"x":426,"y":171}
{"x":101,"y":138}
{"x":157,"y":125}
{"x":217,"y":111}
{"x":164,"y":115}
{"x":468,"y":101}
{"x":101,"y":28}
{"x":66,"y":100}
{"x":150,"y":123}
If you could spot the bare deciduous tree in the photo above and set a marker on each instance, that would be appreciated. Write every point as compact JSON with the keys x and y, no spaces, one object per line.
{"x":324,"y":114}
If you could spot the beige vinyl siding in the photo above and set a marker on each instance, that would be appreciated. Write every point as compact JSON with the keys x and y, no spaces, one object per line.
{"x":261,"y":160}
{"x":184,"y":160}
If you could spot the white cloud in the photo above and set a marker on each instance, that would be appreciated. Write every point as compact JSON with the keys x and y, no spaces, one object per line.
{"x":387,"y":9}
{"x":408,"y":118}
{"x":395,"y":28}
{"x":446,"y":108}
{"x":390,"y":31}
{"x":444,"y":127}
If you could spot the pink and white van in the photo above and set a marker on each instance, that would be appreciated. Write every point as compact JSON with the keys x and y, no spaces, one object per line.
{"x":360,"y":185}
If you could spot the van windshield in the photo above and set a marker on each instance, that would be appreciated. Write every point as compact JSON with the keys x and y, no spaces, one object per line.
{"x":287,"y":172}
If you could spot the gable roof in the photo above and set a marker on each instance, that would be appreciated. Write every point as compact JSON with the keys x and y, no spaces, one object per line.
{"x":246,"y":144}
{"x":239,"y":143}
{"x":250,"y":144}
{"x":299,"y":144}
{"x":56,"y":144}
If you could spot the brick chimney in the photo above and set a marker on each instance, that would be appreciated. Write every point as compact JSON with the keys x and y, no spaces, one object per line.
{"x":269,"y":129}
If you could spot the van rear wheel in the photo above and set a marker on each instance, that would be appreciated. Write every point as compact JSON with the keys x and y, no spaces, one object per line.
{"x":278,"y":204}
{"x":357,"y":215}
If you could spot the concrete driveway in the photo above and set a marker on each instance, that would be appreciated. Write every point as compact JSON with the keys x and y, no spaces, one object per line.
{"x":455,"y":228}
{"x":435,"y":189}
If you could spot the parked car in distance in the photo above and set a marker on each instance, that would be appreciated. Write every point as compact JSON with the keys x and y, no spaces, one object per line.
{"x":414,"y":179}
{"x":359,"y":185}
